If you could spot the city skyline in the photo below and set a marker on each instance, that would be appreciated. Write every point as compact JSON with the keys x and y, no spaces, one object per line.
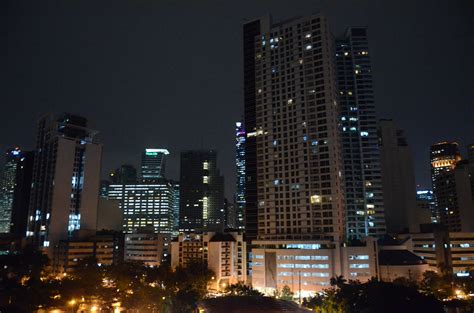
{"x":412,"y":87}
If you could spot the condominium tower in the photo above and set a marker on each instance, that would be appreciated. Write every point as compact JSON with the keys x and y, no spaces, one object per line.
{"x":66,"y":178}
{"x":294,"y":185}
{"x":360,"y":151}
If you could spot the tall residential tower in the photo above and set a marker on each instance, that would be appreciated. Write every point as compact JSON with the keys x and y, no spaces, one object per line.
{"x":363,"y":181}
{"x":294,"y":186}
{"x":66,"y":178}
{"x":240,"y":167}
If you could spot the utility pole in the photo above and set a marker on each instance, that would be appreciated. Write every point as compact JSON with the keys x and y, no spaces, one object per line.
{"x":299,"y":283}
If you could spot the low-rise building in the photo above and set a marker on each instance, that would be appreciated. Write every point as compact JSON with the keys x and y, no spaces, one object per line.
{"x":308,"y":266}
{"x":148,"y":248}
{"x":444,"y":251}
{"x":224,"y":254}
{"x":105,"y":247}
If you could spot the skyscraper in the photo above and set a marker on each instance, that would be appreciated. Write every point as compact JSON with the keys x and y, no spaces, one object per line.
{"x":452,"y":187}
{"x":15,"y":192}
{"x":294,"y":186}
{"x":66,"y":177}
{"x":146,"y":205}
{"x":125,"y":174}
{"x":240,"y":167}
{"x":398,"y":177}
{"x":363,"y":182}
{"x":201,"y":191}
{"x":443,"y":158}
{"x":153,"y":165}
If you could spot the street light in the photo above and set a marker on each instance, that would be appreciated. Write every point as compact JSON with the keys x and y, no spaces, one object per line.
{"x":72,"y":303}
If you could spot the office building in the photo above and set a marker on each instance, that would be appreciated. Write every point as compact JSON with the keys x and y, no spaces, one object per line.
{"x":307,"y":267}
{"x":443,"y":158}
{"x":294,"y":185}
{"x":239,"y":200}
{"x":445,"y":252}
{"x":109,"y":215}
{"x":153,"y":165}
{"x":147,"y":247}
{"x":125,"y":174}
{"x":146,"y":204}
{"x":361,"y":156}
{"x":454,"y":198}
{"x":176,"y":200}
{"x":15,"y":187}
{"x":223,"y":253}
{"x":105,"y":247}
{"x":398,"y":177}
{"x":201,"y":192}
{"x":426,"y":210}
{"x":66,"y":178}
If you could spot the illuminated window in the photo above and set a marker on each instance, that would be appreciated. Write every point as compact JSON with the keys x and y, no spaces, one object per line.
{"x":205,"y":165}
{"x":205,"y":179}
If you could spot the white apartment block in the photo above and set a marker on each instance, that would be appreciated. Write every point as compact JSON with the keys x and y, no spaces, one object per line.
{"x":224,"y":254}
{"x":148,"y":248}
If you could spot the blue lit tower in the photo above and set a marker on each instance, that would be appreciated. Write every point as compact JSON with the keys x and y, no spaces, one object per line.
{"x":363,"y":185}
{"x":240,"y":166}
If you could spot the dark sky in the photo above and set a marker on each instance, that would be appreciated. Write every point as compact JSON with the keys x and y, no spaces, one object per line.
{"x":153,"y":73}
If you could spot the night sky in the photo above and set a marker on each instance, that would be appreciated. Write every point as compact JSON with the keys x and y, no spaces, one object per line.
{"x":168,"y":74}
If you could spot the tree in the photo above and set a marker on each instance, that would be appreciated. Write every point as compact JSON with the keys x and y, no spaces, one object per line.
{"x":240,"y":289}
{"x":373,"y":297}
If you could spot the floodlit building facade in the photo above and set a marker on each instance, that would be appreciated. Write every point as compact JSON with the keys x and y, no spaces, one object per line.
{"x":223,"y":253}
{"x":66,"y":179}
{"x":307,"y":267}
{"x":146,"y":204}
{"x":364,"y":204}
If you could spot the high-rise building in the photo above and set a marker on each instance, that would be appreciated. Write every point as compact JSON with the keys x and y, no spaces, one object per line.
{"x":66,"y":178}
{"x":426,"y":206}
{"x":361,"y":156}
{"x":294,"y":185}
{"x":153,"y":165}
{"x":15,"y":188}
{"x":454,"y":198}
{"x":450,"y":186}
{"x":176,"y":201}
{"x":201,"y":191}
{"x":146,"y":205}
{"x":443,"y":157}
{"x":240,"y":167}
{"x":398,"y":177}
{"x":125,"y":174}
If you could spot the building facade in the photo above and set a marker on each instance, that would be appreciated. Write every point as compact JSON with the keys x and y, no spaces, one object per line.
{"x":106,"y":247}
{"x":153,"y":165}
{"x":148,"y":248}
{"x":361,"y":156}
{"x":15,"y":186}
{"x":223,"y":253}
{"x":398,"y":177}
{"x":146,"y":204}
{"x":66,"y":178}
{"x":201,"y":192}
{"x":294,"y":185}
{"x":240,"y":137}
{"x":307,"y":267}
{"x":124,"y":174}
